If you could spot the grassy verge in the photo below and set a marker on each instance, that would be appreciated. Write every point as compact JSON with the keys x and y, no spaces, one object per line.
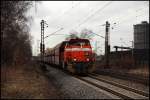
{"x":141,"y":71}
{"x":26,"y":82}
{"x":138,"y":70}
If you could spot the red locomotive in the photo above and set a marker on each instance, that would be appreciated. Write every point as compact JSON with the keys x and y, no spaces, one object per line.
{"x":74,"y":55}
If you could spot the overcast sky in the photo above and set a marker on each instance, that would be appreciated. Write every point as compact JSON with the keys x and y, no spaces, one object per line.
{"x":77,"y":15}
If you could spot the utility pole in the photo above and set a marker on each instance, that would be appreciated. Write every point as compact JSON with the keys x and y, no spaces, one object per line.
{"x":42,"y":45}
{"x":107,"y":43}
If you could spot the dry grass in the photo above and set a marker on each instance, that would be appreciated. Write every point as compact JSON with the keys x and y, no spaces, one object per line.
{"x":140,"y":71}
{"x":24,"y":82}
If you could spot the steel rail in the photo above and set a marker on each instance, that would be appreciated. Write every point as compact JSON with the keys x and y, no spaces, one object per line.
{"x":95,"y":76}
{"x":104,"y":88}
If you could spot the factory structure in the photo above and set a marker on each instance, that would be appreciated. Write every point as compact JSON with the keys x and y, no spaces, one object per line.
{"x":138,"y":54}
{"x":141,"y":35}
{"x":141,"y":42}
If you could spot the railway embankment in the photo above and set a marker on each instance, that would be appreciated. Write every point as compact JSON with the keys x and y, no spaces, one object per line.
{"x":26,"y":82}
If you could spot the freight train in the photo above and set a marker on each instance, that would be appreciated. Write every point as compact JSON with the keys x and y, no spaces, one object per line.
{"x":74,"y":55}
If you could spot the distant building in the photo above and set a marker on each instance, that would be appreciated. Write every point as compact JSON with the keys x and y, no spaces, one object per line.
{"x":141,"y":35}
{"x":141,"y":42}
{"x":137,"y":56}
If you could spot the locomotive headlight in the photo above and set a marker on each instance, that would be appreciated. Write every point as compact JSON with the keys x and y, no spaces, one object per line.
{"x":74,"y":59}
{"x":87,"y":59}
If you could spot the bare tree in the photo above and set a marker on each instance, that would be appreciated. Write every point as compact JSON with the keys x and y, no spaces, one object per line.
{"x":85,"y":34}
{"x":73,"y":34}
{"x":15,"y":31}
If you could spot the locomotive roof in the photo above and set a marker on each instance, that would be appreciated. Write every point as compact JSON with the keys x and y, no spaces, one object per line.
{"x":79,"y":39}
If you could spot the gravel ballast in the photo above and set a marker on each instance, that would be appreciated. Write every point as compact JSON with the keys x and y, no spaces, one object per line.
{"x":73,"y":88}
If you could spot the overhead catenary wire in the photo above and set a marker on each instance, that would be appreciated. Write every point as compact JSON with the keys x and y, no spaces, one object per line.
{"x":71,"y":8}
{"x":60,"y":16}
{"x":122,"y":18}
{"x":100,"y":9}
{"x":123,"y":42}
{"x":57,"y":35}
{"x":91,"y":16}
{"x":93,"y":13}
{"x":133,"y":15}
{"x":88,"y":13}
{"x":67,"y":11}
{"x":87,"y":18}
{"x":53,"y":33}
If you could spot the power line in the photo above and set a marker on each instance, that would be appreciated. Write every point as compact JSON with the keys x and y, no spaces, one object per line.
{"x":126,"y":18}
{"x":57,"y":35}
{"x":88,"y":13}
{"x":99,"y":35}
{"x":133,"y":15}
{"x":89,"y":16}
{"x":54,"y":33}
{"x":69,"y":10}
{"x":100,"y":9}
{"x":123,"y":42}
{"x":95,"y":13}
{"x":91,"y":11}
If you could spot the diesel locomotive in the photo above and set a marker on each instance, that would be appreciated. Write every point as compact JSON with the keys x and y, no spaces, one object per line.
{"x":74,"y":55}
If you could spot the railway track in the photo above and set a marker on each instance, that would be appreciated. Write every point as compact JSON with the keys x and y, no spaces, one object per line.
{"x":125,"y":76}
{"x":96,"y":76}
{"x":119,"y":90}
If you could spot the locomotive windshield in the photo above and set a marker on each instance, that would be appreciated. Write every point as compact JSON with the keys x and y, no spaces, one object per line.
{"x":79,"y":43}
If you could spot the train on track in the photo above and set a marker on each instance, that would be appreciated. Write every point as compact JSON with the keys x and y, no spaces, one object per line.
{"x":74,"y":55}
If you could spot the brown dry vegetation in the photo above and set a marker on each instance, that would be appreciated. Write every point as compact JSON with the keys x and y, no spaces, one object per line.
{"x":24,"y":82}
{"x":125,"y":67}
{"x":141,"y":71}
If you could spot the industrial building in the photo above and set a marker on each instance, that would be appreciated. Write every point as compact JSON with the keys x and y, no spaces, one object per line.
{"x":139,"y":55}
{"x":141,"y":35}
{"x":141,"y":42}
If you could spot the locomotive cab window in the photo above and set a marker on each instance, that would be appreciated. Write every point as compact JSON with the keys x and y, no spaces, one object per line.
{"x":85,"y":43}
{"x":76,"y":44}
{"x":79,"y":43}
